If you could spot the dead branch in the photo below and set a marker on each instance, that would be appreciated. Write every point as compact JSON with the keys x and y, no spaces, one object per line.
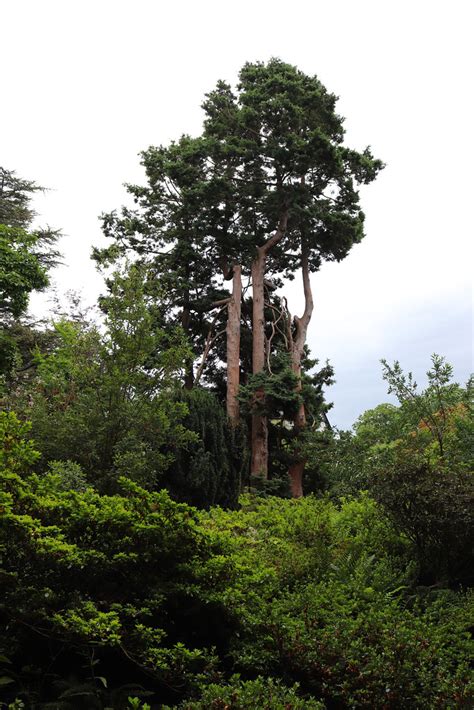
{"x":210,"y":340}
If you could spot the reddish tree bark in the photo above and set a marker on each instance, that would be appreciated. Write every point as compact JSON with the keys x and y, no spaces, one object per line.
{"x":259,"y":462}
{"x":233,"y":347}
{"x":297,"y":342}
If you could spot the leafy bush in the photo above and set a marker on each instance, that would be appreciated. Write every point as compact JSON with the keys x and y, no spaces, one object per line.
{"x":434,"y":508}
{"x":88,"y":578}
{"x":136,"y":596}
{"x":69,"y":474}
{"x":102,"y":399}
{"x":208,"y":470}
{"x":259,"y":694}
{"x":359,"y":649}
{"x":323,"y":597}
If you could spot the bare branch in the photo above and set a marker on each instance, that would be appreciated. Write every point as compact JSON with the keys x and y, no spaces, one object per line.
{"x":221,"y":303}
{"x":210,"y":340}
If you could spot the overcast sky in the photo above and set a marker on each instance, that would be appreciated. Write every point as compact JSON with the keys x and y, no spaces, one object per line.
{"x":87,"y":85}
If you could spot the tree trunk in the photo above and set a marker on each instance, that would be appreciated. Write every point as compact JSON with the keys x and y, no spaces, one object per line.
{"x":297,"y":343}
{"x":259,"y":461}
{"x":233,"y":347}
{"x":296,"y":469}
{"x":189,"y":376}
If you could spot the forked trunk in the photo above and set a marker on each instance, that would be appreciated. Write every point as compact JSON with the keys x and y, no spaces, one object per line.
{"x":233,"y":347}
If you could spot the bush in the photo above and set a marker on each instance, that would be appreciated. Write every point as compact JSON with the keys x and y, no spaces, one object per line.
{"x":324,"y":598}
{"x":434,"y":508}
{"x":259,"y":694}
{"x":136,"y":596}
{"x":207,"y":471}
{"x":89,"y":579}
{"x":359,"y":648}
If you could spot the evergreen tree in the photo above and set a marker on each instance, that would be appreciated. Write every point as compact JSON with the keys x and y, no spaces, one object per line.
{"x":267,"y":189}
{"x":26,"y":255}
{"x":294,"y":186}
{"x":208,"y":471}
{"x":167,"y":231}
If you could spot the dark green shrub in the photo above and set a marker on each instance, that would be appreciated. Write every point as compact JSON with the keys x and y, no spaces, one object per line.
{"x":434,"y":508}
{"x":206,"y":471}
{"x":90,"y":579}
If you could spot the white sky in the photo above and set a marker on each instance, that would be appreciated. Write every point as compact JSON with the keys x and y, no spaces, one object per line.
{"x":87,"y":85}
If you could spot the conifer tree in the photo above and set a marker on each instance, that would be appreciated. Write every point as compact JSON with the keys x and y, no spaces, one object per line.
{"x":26,"y":255}
{"x":267,"y":189}
{"x":294,"y":186}
{"x":166,"y":229}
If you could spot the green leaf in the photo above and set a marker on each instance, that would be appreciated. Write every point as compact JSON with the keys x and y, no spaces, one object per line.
{"x":5,"y":680}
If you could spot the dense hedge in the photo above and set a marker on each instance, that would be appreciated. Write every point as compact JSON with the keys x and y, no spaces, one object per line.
{"x":313,"y":604}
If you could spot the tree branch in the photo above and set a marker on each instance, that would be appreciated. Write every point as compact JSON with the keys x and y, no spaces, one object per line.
{"x":210,"y":340}
{"x":277,"y":236}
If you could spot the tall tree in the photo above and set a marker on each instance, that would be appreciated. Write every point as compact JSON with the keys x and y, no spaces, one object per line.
{"x":295,"y":192}
{"x":268,"y":188}
{"x":26,"y":255}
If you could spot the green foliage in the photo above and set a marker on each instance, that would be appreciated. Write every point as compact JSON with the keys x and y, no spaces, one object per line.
{"x":169,"y":231}
{"x":69,"y":475}
{"x":281,"y":398}
{"x":359,"y":649}
{"x":276,"y":144}
{"x":100,"y":576}
{"x":281,"y":402}
{"x":272,"y":147}
{"x":380,"y":425}
{"x":103,"y":400}
{"x":25,"y":257}
{"x":259,"y":694}
{"x":136,"y":704}
{"x":19,"y":340}
{"x":423,"y":473}
{"x":20,"y":270}
{"x":335,"y":463}
{"x":417,"y":460}
{"x":431,"y":408}
{"x":135,"y":586}
{"x":208,"y":471}
{"x":15,"y":198}
{"x":323,"y":598}
{"x":434,"y":507}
